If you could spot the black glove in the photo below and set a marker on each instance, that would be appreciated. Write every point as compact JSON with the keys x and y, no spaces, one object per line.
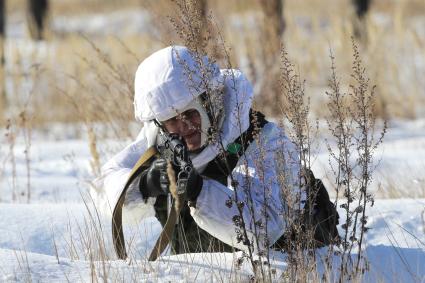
{"x":194,"y":185}
{"x":325,"y":217}
{"x":154,"y":180}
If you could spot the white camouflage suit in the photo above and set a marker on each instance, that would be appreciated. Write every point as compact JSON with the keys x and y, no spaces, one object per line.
{"x":269,"y":166}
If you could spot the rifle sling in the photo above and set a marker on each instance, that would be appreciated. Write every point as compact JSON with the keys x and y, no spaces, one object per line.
{"x":177,"y":205}
{"x":167,"y":232}
{"x":117,"y":231}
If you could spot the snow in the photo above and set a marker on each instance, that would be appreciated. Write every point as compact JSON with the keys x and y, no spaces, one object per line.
{"x":119,"y":23}
{"x":58,"y":236}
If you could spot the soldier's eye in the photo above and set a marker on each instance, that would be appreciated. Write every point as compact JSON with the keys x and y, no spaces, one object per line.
{"x":190,"y":113}
{"x":172,"y":122}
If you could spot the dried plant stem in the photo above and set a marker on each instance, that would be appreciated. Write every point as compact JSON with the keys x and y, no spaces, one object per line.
{"x":95,"y":162}
{"x":352,"y":125}
{"x":340,"y":127}
{"x":26,"y":131}
{"x":11,"y":140}
{"x":364,"y":119}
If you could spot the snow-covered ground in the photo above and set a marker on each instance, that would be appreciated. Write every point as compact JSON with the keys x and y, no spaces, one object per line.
{"x":400,"y":162}
{"x":58,"y":237}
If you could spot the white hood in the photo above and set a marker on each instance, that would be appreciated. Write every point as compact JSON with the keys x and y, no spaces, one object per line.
{"x":168,"y":80}
{"x":163,"y":89}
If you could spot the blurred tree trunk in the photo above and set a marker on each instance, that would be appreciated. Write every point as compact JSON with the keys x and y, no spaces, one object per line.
{"x":361,"y":8}
{"x":36,"y":18}
{"x":272,"y":28}
{"x":271,"y":34}
{"x":2,"y":58}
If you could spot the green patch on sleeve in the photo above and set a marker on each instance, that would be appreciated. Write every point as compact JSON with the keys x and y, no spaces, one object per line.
{"x":234,"y":148}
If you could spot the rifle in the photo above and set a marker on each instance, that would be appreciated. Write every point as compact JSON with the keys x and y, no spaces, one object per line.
{"x":173,"y":148}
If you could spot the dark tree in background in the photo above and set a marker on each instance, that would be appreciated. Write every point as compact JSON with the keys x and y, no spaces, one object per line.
{"x":361,"y":7}
{"x":2,"y":31}
{"x":2,"y":17}
{"x":2,"y":58}
{"x":273,"y":27}
{"x":36,"y":18}
{"x":271,"y":34}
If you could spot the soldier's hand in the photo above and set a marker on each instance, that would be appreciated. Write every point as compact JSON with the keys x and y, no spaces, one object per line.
{"x":194,"y":185}
{"x":154,"y":180}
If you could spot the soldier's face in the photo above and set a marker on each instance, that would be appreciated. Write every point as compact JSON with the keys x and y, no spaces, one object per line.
{"x":188,"y":126}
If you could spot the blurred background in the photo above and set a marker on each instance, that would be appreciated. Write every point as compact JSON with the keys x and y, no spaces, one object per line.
{"x":67,"y":66}
{"x":66,"y":106}
{"x":86,"y":51}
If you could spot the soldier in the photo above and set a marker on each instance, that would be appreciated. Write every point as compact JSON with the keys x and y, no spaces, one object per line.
{"x":245,"y":169}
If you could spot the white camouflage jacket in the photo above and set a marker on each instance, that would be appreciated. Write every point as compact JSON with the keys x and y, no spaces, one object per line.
{"x":269,"y":170}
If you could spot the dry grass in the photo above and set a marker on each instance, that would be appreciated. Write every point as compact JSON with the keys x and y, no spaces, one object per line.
{"x":72,"y":7}
{"x":69,"y":63}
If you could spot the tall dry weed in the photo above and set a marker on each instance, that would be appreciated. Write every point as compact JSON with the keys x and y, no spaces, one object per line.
{"x":26,"y":126}
{"x":352,"y":126}
{"x":296,"y":121}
